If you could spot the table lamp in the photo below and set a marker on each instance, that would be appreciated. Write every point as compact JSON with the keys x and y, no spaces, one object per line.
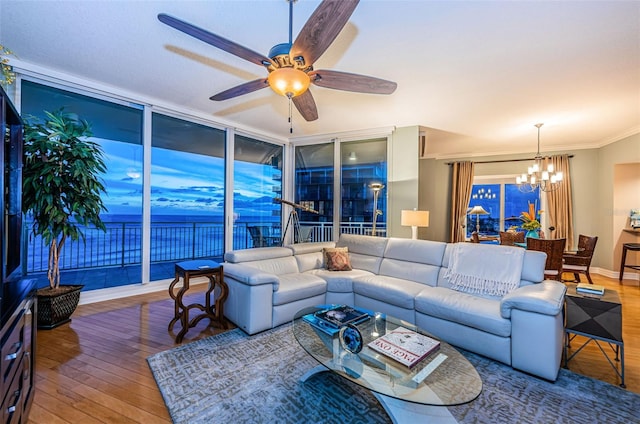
{"x":414,"y":219}
{"x":478,"y":210}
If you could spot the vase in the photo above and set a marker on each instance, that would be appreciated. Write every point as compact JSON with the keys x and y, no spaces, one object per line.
{"x":532,"y":234}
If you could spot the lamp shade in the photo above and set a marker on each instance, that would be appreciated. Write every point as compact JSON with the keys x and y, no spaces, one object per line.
{"x":414,"y":218}
{"x":288,"y":82}
{"x":478,"y":210}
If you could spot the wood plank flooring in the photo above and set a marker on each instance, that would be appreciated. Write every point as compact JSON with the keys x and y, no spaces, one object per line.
{"x":94,"y":369}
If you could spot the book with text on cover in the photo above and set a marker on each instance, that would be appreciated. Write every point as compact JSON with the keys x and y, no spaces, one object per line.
{"x":405,"y":346}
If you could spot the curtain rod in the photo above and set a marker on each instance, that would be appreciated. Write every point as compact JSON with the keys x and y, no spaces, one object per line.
{"x":503,"y":160}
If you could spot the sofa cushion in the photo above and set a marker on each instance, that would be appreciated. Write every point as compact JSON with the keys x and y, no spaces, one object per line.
{"x":420,"y":273}
{"x":298,"y":286}
{"x":395,"y":291}
{"x":339,"y":281}
{"x":416,"y":251}
{"x":365,"y":252}
{"x":309,"y":261}
{"x":277,"y":266}
{"x":311,"y":247}
{"x":467,"y":309}
{"x":365,"y":245}
{"x":260,"y":253}
{"x":336,"y":258}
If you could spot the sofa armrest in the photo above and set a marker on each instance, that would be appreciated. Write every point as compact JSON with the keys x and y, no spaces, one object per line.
{"x":250,"y":276}
{"x":545,"y":298}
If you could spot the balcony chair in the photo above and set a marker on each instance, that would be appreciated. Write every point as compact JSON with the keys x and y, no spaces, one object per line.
{"x":508,"y":238}
{"x":579,"y":262}
{"x":554,"y":248}
{"x":261,"y":236}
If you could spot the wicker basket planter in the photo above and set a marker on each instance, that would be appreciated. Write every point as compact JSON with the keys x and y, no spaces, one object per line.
{"x":56,"y":306}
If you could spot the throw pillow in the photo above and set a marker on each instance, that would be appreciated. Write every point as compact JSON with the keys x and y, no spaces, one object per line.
{"x":336,"y":258}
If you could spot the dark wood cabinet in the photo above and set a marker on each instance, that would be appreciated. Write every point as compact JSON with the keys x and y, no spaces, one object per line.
{"x":18,"y":304}
{"x":17,"y":366}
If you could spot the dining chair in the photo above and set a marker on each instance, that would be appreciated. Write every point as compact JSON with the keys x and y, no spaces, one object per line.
{"x":508,"y":238}
{"x":554,"y":248}
{"x":579,"y":262}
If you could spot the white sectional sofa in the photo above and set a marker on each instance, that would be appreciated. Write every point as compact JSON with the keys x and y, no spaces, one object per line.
{"x":411,"y":280}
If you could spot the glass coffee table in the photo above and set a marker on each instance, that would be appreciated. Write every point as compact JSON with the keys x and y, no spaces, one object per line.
{"x":444,"y":378}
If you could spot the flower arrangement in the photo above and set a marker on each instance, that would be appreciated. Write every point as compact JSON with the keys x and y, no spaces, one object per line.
{"x":529,"y":219}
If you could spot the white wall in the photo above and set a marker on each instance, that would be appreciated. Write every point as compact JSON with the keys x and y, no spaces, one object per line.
{"x":402,"y":179}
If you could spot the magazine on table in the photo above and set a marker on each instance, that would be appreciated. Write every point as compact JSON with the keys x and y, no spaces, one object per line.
{"x":341,"y":315}
{"x":321,"y":325}
{"x":405,"y":346}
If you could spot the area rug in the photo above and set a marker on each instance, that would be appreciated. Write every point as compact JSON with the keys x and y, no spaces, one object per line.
{"x":235,"y":378}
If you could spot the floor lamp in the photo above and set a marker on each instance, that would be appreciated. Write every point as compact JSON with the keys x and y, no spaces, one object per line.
{"x":478,"y":210}
{"x":414,"y":219}
{"x":377,"y":188}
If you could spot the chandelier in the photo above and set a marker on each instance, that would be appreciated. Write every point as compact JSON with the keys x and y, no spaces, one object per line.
{"x":539,"y":175}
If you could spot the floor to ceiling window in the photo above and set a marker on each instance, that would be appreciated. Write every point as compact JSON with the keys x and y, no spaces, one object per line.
{"x":362,"y":173}
{"x":257,"y":184}
{"x":314,"y":177}
{"x":363,"y":179}
{"x":117,"y":128}
{"x":187,"y":193}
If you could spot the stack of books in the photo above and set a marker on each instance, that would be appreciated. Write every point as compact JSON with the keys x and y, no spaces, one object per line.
{"x":590,"y":289}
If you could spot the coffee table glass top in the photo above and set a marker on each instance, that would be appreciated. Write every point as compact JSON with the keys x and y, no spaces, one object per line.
{"x":443,"y":378}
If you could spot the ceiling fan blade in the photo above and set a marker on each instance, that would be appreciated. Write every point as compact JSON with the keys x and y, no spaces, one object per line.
{"x":352,"y":82}
{"x":215,"y":40}
{"x":306,"y":106}
{"x":247,"y":87}
{"x":321,"y":29}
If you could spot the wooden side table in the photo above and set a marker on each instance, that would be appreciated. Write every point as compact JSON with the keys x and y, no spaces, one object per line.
{"x":198,"y":268}
{"x":599,"y":318}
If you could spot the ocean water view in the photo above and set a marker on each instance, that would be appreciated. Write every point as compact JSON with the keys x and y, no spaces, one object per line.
{"x":173,"y":237}
{"x":114,"y":257}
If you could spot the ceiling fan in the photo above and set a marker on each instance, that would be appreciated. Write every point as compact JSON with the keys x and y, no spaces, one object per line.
{"x":290,"y":65}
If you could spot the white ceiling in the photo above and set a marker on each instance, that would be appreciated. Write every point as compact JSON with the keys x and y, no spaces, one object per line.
{"x":478,"y":74}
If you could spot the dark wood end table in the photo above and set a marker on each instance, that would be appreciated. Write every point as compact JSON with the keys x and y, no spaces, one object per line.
{"x":198,"y":268}
{"x":598,"y":318}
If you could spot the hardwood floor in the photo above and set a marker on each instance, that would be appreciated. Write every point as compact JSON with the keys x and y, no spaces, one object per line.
{"x":94,"y":369}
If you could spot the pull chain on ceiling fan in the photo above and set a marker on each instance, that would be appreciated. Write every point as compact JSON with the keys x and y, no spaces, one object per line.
{"x":290,"y":65}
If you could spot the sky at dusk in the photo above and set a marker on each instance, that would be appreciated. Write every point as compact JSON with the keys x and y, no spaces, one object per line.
{"x":183,"y":183}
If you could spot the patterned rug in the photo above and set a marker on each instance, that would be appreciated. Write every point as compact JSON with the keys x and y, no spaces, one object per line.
{"x":235,"y":378}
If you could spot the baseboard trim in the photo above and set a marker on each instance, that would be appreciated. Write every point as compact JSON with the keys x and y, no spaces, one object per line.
{"x":112,"y":293}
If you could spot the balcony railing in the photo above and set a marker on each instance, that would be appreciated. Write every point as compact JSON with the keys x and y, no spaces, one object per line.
{"x":121,"y":244}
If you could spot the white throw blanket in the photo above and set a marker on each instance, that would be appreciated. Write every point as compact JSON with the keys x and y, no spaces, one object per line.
{"x":485,"y":269}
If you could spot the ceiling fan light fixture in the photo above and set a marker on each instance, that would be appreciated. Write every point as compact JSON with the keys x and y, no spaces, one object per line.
{"x":289,"y":82}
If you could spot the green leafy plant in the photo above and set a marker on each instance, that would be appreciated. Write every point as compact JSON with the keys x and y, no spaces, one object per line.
{"x":8,"y":76}
{"x":62,"y":186}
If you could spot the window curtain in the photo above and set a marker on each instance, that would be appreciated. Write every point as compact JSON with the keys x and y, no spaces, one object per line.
{"x":461,"y":185}
{"x":559,"y":207}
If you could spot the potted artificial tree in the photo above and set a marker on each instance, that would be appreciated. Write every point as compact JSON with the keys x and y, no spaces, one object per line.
{"x":62,"y":191}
